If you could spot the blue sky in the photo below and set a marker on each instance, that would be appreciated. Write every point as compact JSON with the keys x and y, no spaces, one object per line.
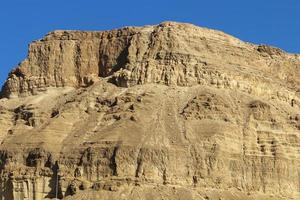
{"x":274,"y":22}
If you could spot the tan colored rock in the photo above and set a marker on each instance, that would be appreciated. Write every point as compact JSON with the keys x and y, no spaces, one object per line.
{"x":170,"y":53}
{"x":172,"y":111}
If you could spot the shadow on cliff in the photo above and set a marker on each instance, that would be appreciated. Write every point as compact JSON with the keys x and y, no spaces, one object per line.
{"x":105,"y":67}
{"x":54,"y":183}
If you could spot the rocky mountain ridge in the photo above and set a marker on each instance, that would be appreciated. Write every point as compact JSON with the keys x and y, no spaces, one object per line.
{"x":170,"y":111}
{"x":137,"y":55}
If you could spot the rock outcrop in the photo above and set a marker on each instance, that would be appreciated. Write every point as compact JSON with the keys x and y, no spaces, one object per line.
{"x":172,"y":111}
{"x":170,"y":53}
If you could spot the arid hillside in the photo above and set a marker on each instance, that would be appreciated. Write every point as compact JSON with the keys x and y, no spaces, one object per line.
{"x":171,"y":111}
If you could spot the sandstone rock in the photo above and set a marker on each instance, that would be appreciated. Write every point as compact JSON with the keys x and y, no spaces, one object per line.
{"x":172,"y":111}
{"x":170,"y":53}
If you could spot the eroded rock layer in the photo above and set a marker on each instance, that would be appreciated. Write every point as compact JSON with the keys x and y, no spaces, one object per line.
{"x":172,"y":111}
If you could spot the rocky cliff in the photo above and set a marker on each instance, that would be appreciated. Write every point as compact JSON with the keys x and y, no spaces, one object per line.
{"x":172,"y":111}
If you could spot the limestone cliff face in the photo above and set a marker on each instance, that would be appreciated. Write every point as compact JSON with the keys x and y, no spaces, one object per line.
{"x":170,"y":53}
{"x":172,"y":111}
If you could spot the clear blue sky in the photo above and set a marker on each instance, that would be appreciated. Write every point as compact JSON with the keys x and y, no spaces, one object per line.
{"x":274,"y":22}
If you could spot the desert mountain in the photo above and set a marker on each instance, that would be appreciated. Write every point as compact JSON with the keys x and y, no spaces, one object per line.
{"x":172,"y":111}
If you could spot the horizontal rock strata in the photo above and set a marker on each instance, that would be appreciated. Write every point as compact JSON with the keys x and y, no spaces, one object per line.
{"x":172,"y":111}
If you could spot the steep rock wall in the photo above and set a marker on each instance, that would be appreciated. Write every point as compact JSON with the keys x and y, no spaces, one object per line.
{"x":170,"y":53}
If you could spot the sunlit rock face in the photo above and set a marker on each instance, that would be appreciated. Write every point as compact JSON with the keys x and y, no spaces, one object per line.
{"x":172,"y":111}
